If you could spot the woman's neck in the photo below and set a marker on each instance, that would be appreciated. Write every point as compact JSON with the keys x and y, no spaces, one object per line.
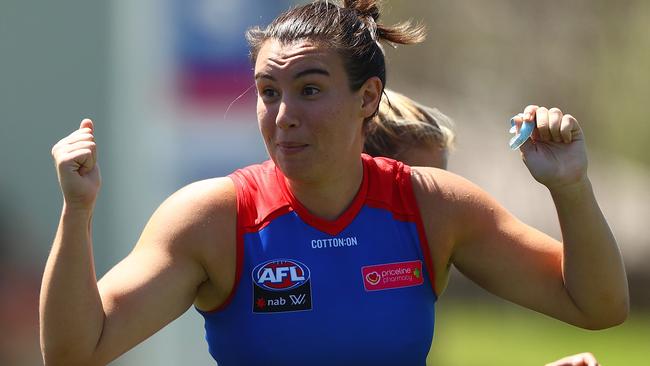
{"x":330,"y":196}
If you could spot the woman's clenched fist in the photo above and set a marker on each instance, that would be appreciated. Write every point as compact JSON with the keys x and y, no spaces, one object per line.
{"x":75,"y":159}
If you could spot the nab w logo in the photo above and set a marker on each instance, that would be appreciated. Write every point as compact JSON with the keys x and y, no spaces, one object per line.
{"x":297,"y":300}
{"x":281,"y":285}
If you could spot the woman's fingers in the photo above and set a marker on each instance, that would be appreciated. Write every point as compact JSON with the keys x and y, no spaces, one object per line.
{"x":78,"y":151}
{"x":84,"y":159}
{"x":541,"y":117}
{"x":581,"y":359}
{"x":79,"y":145}
{"x":78,"y":136}
{"x":551,"y":124}
{"x":83,"y":133}
{"x":568,"y":126}
{"x":529,"y":112}
{"x":554,"y":124}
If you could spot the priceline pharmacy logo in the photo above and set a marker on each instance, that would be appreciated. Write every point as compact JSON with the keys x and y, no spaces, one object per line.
{"x":392,"y":275}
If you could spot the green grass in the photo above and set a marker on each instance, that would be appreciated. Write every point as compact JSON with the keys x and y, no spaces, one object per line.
{"x":491,"y":334}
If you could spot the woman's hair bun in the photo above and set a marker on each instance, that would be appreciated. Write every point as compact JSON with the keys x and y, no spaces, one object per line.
{"x":366,"y":8}
{"x":402,"y":33}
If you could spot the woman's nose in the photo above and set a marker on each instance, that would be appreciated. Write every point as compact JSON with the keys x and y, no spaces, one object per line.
{"x":286,"y":117}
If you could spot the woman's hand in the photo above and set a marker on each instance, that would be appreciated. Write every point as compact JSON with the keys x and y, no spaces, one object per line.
{"x":555,"y":154}
{"x":582,"y":359}
{"x":75,"y":158}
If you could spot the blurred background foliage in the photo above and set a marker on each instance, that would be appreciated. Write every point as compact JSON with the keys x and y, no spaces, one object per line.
{"x":594,"y":55}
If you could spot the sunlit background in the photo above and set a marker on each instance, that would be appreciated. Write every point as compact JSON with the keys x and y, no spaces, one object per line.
{"x":167,"y":85}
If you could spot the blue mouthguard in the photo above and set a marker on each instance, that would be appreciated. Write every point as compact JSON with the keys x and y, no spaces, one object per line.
{"x":525,"y":131}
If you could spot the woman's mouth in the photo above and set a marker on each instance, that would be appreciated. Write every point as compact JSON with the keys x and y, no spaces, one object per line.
{"x":290,"y":147}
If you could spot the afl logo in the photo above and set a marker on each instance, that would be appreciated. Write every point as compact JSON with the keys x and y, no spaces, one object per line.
{"x":280,"y":274}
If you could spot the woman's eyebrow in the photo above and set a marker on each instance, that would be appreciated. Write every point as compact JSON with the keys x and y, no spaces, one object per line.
{"x":261,"y":75}
{"x":314,"y":70}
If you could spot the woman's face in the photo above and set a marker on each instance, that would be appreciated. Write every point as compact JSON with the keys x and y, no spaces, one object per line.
{"x":309,"y":118}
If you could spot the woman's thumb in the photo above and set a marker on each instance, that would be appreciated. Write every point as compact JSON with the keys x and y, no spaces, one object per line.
{"x":87,"y":123}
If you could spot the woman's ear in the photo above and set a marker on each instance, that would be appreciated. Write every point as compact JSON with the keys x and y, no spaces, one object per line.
{"x":371,"y":96}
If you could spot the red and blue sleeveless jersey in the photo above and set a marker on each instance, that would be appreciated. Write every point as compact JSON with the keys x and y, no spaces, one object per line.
{"x":353,"y":291}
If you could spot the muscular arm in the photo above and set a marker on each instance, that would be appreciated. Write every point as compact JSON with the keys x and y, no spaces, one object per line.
{"x":593,"y":269}
{"x":71,"y":314}
{"x":580,"y":281}
{"x":85,"y":322}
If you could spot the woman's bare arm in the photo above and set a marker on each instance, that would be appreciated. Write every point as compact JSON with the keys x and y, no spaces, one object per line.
{"x":84,"y":322}
{"x":580,"y":280}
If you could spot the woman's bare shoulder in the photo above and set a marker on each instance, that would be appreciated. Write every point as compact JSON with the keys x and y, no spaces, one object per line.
{"x":213,"y":195}
{"x":451,"y":198}
{"x":442,"y":184}
{"x":196,"y":213}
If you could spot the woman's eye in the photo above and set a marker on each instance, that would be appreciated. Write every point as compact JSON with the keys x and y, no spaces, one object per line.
{"x":310,"y":90}
{"x":269,"y":93}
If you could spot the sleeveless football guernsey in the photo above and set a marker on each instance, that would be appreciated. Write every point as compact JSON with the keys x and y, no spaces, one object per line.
{"x":353,"y":291}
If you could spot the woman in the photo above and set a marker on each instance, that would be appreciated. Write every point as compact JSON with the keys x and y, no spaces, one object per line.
{"x":321,"y":255}
{"x":422,"y":136}
{"x":410,"y":132}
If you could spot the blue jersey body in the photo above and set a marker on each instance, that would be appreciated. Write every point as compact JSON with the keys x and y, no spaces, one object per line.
{"x":354,"y":291}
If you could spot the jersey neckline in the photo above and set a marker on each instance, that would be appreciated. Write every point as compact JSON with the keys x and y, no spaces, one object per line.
{"x":331,"y":227}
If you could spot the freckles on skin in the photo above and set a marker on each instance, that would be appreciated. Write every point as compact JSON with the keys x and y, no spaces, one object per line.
{"x":328,"y":123}
{"x":262,"y":116}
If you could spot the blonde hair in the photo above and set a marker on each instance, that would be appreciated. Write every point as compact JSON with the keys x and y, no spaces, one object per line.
{"x":402,"y":123}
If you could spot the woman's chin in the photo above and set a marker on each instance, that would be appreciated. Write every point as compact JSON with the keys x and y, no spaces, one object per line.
{"x":295,"y":170}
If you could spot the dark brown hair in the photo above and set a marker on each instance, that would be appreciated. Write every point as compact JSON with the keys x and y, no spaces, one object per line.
{"x":350,"y":28}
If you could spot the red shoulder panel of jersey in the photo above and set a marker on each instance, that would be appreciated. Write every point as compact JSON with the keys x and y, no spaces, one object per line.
{"x":391,"y":187}
{"x":259,"y":197}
